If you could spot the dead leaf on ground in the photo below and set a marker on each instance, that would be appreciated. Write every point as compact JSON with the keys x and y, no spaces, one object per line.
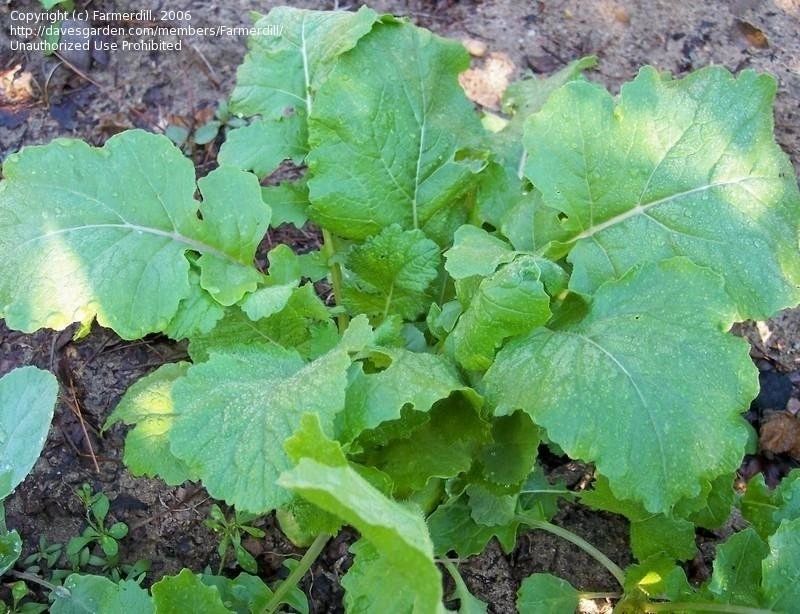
{"x":753,"y":36}
{"x":485,"y":84}
{"x":16,"y":86}
{"x":780,"y":434}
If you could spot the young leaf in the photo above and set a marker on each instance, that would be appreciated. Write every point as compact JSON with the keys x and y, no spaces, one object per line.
{"x":658,"y":577}
{"x":608,"y":389}
{"x":235,"y":411}
{"x":453,"y":528}
{"x":284,"y":277}
{"x":676,"y":167}
{"x":544,"y":593}
{"x":391,"y":273}
{"x":82,"y":241}
{"x":264,"y":144}
{"x":476,"y":252}
{"x":511,"y":455}
{"x":509,"y":302}
{"x":289,"y":203}
{"x":781,"y":569}
{"x":408,"y":135}
{"x":737,"y":569}
{"x":410,"y":379}
{"x":765,"y":508}
{"x":186,"y":592}
{"x":285,"y":71}
{"x":27,"y":400}
{"x":98,"y":594}
{"x":397,"y":533}
{"x":149,"y":405}
{"x":244,"y":594}
{"x":197,"y":314}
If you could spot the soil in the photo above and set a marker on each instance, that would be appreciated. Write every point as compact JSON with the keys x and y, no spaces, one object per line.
{"x":153,"y":90}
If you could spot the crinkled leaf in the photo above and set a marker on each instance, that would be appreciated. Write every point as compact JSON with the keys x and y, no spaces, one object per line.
{"x":737,"y":569}
{"x":289,"y":203}
{"x":544,"y":593}
{"x":443,"y":447}
{"x":509,"y":302}
{"x":476,"y":252}
{"x":674,"y":167}
{"x":453,"y":528}
{"x":27,"y":400}
{"x":286,"y":65}
{"x":104,"y":231}
{"x":396,"y":532}
{"x":609,"y":390}
{"x":407,"y":136}
{"x":391,"y":273}
{"x":148,"y":404}
{"x":765,"y":508}
{"x":781,"y":569}
{"x":97,"y":594}
{"x":264,"y":144}
{"x":410,"y":379}
{"x":235,"y":411}
{"x":186,"y":592}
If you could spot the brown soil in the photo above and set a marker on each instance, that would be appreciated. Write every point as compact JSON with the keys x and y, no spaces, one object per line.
{"x":154,"y":90}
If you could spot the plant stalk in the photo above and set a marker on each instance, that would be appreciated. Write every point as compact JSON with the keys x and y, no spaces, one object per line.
{"x":28,"y":577}
{"x":329,"y":249}
{"x":614,"y":569}
{"x":599,"y":595}
{"x":297,"y":574}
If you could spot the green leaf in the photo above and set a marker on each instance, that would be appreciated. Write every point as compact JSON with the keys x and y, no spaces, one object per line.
{"x":476,"y":252}
{"x":658,"y":577}
{"x":717,"y":506}
{"x":235,"y":411}
{"x":675,"y":167}
{"x":283,"y":278}
{"x":467,"y":602}
{"x":27,"y":400}
{"x":264,"y":144}
{"x":453,"y":528}
{"x":491,"y":508}
{"x":442,"y":447}
{"x":10,"y":549}
{"x":396,"y":532}
{"x":186,"y":592}
{"x":410,"y":379}
{"x":197,"y":314}
{"x":511,"y":455}
{"x":244,"y":594}
{"x":391,"y":273}
{"x":207,"y":132}
{"x":408,"y":136}
{"x":509,"y":302}
{"x":149,"y":405}
{"x":286,"y":70}
{"x":737,"y":569}
{"x":81,"y":241}
{"x":544,"y":593}
{"x":765,"y":508}
{"x":781,"y":569}
{"x":98,"y":595}
{"x":609,"y":390}
{"x":289,"y":203}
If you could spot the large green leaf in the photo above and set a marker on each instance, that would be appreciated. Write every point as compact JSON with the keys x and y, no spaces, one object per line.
{"x":148,"y":404}
{"x":411,"y":378}
{"x":185,"y":592}
{"x":394,"y":146}
{"x":544,"y":593}
{"x":390,"y":273}
{"x":607,"y":387}
{"x":98,"y":595}
{"x":398,"y":537}
{"x":27,"y":400}
{"x":235,"y":411}
{"x":737,"y":569}
{"x":675,"y":167}
{"x":780,"y":571}
{"x":90,"y":231}
{"x":290,"y":57}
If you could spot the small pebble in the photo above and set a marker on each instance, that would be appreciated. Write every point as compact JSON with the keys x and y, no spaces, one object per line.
{"x":475,"y":47}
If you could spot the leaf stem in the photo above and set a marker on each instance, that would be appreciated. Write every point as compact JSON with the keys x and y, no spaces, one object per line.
{"x":35,"y":579}
{"x":599,"y":595}
{"x":297,"y":574}
{"x":614,"y":569}
{"x":699,"y":606}
{"x":329,"y":249}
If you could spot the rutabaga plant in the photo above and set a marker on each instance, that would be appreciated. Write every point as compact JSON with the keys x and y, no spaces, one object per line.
{"x":569,"y":278}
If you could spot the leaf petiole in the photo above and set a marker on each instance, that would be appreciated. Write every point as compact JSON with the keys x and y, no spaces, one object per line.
{"x":297,"y":574}
{"x":677,"y":606}
{"x":329,"y":249}
{"x":614,"y":569}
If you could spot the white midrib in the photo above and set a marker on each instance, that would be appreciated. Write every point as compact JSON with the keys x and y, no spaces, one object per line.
{"x":194,"y":244}
{"x":642,"y":208}
{"x":304,"y":55}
